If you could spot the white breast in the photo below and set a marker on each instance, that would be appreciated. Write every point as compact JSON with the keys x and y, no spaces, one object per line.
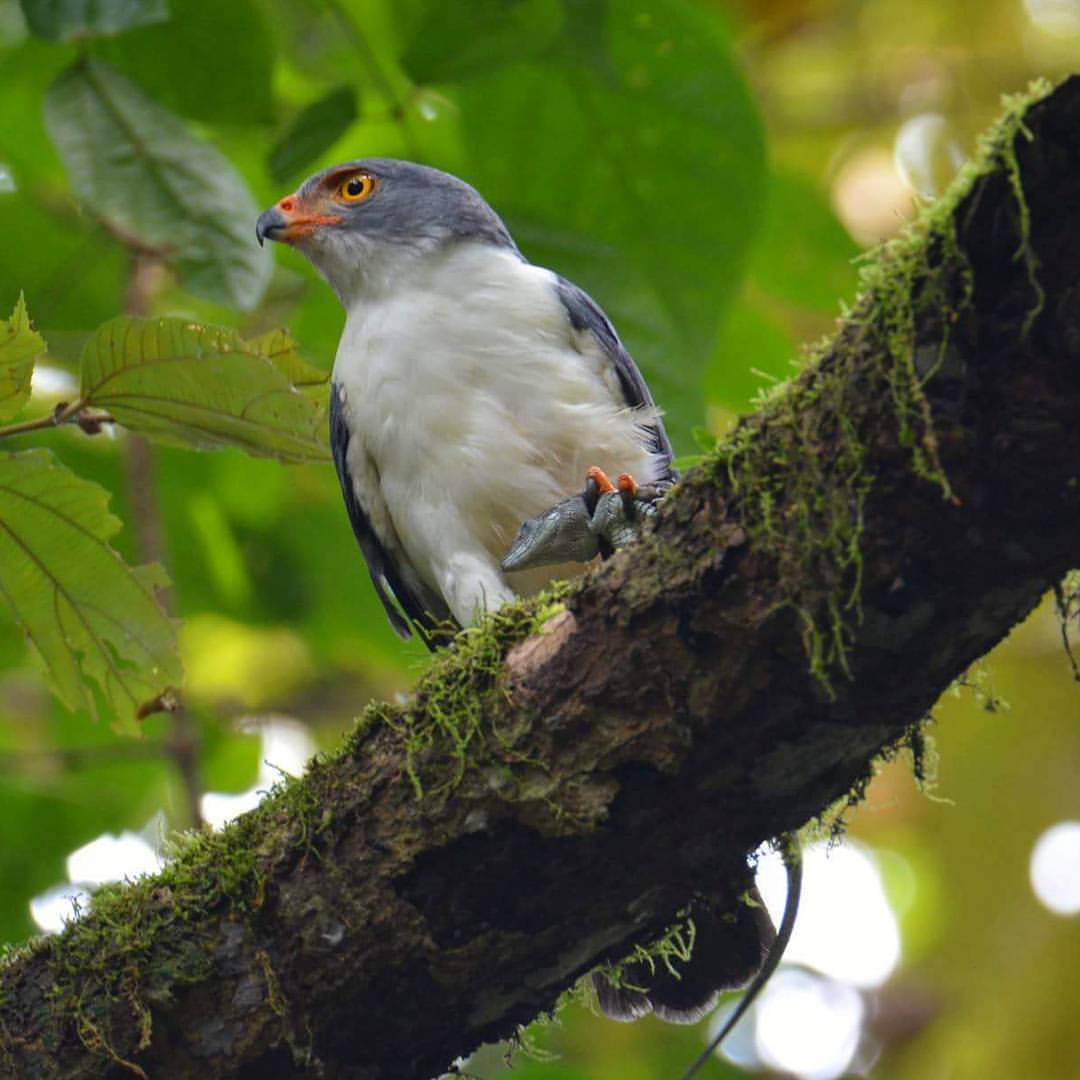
{"x":479,"y":407}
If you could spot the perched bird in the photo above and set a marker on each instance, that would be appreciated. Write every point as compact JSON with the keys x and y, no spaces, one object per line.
{"x":471,"y":391}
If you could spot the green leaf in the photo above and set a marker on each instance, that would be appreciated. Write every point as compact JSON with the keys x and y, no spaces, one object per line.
{"x":803,"y":255}
{"x":46,"y":247}
{"x":205,"y":387}
{"x":704,"y":440}
{"x":20,"y":346}
{"x":754,"y":353}
{"x":632,"y":162}
{"x":230,"y":40}
{"x":454,"y":41}
{"x":139,"y":169}
{"x":312,"y":132}
{"x":282,"y":351}
{"x":65,"y":20}
{"x":88,"y":614}
{"x":230,"y":758}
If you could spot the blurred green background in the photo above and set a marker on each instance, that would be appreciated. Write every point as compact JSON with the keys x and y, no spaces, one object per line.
{"x":710,"y":172}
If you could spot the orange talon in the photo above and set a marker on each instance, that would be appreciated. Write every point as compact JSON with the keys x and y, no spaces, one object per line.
{"x":600,"y":478}
{"x":628,"y":490}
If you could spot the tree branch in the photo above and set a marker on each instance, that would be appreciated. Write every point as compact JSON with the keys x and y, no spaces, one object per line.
{"x":579,"y":771}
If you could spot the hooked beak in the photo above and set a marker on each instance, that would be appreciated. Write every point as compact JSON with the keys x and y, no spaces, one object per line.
{"x":271,"y":225}
{"x":290,"y":220}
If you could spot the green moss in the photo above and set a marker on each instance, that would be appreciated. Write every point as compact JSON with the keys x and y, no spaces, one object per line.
{"x":141,"y":942}
{"x":977,"y":684}
{"x":1016,"y":106}
{"x":452,"y":723}
{"x":924,"y":756}
{"x":1067,"y":606}
{"x":831,"y":825}
{"x":673,"y":948}
{"x":797,"y":469}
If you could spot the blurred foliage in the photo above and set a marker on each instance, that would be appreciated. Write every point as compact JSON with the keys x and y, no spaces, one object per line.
{"x":625,"y":143}
{"x":20,"y":346}
{"x":87,"y":614}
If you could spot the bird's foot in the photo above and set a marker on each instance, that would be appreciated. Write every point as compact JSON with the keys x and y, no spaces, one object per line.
{"x":603,"y":518}
{"x":620,"y":510}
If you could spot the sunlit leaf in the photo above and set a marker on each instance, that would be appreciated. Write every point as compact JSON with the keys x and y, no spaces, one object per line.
{"x":137,"y":167}
{"x":20,"y":346}
{"x":88,"y":614}
{"x":64,"y":20}
{"x":631,"y":160}
{"x":312,"y":132}
{"x":193,"y":385}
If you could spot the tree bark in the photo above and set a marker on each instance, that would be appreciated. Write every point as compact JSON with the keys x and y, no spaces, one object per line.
{"x":564,"y":780}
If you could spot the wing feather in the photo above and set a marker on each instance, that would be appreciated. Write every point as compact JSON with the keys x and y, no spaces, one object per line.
{"x":408,"y":604}
{"x":587,"y":317}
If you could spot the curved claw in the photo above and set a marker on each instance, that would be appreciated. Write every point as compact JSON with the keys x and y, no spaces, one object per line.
{"x":600,"y":478}
{"x":602,"y":519}
{"x":628,"y":490}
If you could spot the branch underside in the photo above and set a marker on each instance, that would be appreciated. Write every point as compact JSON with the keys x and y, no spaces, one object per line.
{"x":569,"y":777}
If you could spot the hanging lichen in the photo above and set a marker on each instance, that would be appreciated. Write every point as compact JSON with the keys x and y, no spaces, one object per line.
{"x":797,"y":468}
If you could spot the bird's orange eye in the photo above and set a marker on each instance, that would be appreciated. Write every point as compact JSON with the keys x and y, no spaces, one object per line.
{"x":356,"y":188}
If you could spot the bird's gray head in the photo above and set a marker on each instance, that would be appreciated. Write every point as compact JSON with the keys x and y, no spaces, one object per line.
{"x":363,"y":222}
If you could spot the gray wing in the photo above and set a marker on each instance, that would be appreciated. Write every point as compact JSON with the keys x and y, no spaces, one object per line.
{"x":586,"y":316}
{"x":391,"y":573}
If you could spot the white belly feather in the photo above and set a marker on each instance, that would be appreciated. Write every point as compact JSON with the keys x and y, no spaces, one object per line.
{"x":479,"y":407}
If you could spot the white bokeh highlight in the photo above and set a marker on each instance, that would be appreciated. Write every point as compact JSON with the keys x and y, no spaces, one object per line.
{"x":846,"y":928}
{"x":105,"y":859}
{"x":926,"y":154}
{"x":808,"y":1026}
{"x":1060,"y":18}
{"x":57,"y":906}
{"x":1055,"y":868}
{"x":112,"y":858}
{"x":48,"y":380}
{"x":286,"y":747}
{"x":809,"y":1023}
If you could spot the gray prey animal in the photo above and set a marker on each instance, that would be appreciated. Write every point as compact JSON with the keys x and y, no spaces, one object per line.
{"x":472,"y":392}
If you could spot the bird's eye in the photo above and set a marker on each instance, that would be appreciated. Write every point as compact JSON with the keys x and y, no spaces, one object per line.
{"x":356,"y":188}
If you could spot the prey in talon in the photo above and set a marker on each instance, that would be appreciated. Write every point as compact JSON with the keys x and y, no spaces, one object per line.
{"x":598,"y":521}
{"x":620,"y":512}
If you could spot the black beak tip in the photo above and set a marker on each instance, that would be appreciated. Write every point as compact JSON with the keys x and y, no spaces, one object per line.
{"x":270,"y":222}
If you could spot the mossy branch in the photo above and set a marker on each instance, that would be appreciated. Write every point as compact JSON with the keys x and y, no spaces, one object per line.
{"x":572,"y":773}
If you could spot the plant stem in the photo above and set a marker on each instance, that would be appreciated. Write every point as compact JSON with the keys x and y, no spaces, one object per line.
{"x":72,"y":413}
{"x":36,"y":424}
